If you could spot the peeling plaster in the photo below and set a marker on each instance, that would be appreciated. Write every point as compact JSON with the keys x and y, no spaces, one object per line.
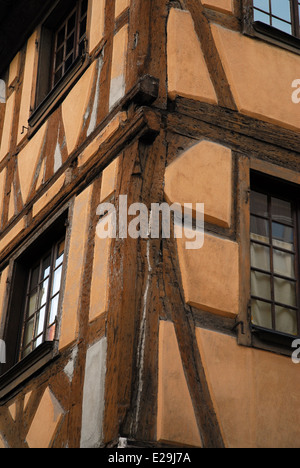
{"x":69,"y":369}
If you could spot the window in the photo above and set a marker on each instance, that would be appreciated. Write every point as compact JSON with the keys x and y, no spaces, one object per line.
{"x":281,"y":14}
{"x":34,"y":299}
{"x":69,"y":41}
{"x":42,"y":299}
{"x":274,"y":258}
{"x":62,"y":55}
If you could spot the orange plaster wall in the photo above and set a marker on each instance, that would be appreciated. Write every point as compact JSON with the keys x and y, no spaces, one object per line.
{"x":255,"y":393}
{"x":210,"y":275}
{"x":176,"y":422}
{"x":96,"y":22}
{"x":203,"y":174}
{"x":260,"y":76}
{"x":187,"y":71}
{"x":31,"y":55}
{"x":225,"y":6}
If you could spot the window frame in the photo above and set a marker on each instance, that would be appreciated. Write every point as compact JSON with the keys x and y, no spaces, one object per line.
{"x":247,"y":168}
{"x":16,"y":371}
{"x":46,"y":98}
{"x":266,"y":32}
{"x":284,"y":190}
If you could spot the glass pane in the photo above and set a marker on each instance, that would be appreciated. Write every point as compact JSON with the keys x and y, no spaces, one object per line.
{"x":59,"y":58}
{"x":282,"y":9}
{"x":60,"y":37}
{"x":84,"y":7}
{"x":285,"y":292}
{"x":46,"y":267}
{"x":69,"y":62}
{"x":259,"y":204}
{"x":53,"y":310}
{"x":60,"y":254}
{"x":43,"y":293}
{"x":260,"y":285}
{"x":26,"y":352}
{"x":286,"y":320}
{"x":281,"y":211}
{"x":283,"y":236}
{"x":57,"y":76}
{"x":261,"y":314}
{"x":262,"y":4}
{"x":34,"y":278}
{"x":40,"y":322}
{"x":82,"y":27}
{"x":71,"y":24}
{"x":260,"y":227}
{"x":259,"y":16}
{"x":28,"y":333}
{"x":70,"y":44}
{"x":38,"y":342}
{"x":282,"y":26}
{"x":32,"y":304}
{"x":56,"y":281}
{"x":51,"y":333}
{"x":284,"y":263}
{"x":260,"y":257}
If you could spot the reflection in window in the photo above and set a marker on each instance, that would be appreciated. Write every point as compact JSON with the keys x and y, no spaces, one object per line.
{"x":273,"y":264}
{"x":281,"y":14}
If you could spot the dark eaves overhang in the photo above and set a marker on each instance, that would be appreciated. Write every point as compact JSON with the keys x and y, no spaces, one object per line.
{"x":18,"y":18}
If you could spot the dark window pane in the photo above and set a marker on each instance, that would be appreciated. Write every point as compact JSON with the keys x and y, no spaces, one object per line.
{"x":60,"y":37}
{"x":28,"y":333}
{"x":260,"y":227}
{"x":34,"y":278}
{"x":259,"y":204}
{"x":71,"y":24}
{"x":70,"y":44}
{"x":82,"y":29}
{"x":59,"y":58}
{"x":84,"y":6}
{"x":58,"y":76}
{"x":283,"y":236}
{"x":281,"y":211}
{"x":69,"y":62}
{"x":32,"y":303}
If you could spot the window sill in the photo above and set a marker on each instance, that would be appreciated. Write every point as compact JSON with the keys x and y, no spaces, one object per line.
{"x":26,"y":368}
{"x":275,"y":36}
{"x":269,"y":340}
{"x":58,"y":93}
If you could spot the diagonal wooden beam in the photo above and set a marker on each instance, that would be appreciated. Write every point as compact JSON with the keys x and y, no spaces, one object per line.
{"x":211,"y":54}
